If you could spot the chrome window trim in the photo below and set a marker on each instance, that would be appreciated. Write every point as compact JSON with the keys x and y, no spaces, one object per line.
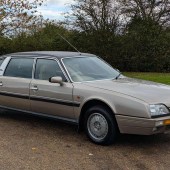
{"x":50,"y":58}
{"x":4,"y":65}
{"x":83,"y":81}
{"x":33,"y":69}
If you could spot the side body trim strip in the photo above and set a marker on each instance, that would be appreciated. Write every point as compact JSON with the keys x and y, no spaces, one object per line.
{"x":47,"y":100}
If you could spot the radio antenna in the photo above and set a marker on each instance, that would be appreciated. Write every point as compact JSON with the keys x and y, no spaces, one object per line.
{"x":69,"y":43}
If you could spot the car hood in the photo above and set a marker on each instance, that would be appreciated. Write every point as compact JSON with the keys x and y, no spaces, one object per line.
{"x":147,"y":91}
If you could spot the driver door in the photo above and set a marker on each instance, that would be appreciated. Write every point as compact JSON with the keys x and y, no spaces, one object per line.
{"x":51,"y":98}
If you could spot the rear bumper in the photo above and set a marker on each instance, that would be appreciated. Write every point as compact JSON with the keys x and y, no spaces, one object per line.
{"x":141,"y":126}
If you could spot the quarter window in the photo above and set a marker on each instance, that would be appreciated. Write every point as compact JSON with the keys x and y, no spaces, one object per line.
{"x":46,"y":68}
{"x":20,"y":67}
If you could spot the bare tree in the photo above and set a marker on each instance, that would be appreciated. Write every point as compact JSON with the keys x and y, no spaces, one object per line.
{"x":157,"y":10}
{"x":17,"y":15}
{"x":95,"y":15}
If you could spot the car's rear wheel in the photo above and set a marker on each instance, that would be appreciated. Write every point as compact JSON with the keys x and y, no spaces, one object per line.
{"x":100,"y":125}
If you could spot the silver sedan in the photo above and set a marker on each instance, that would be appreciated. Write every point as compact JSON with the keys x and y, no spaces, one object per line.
{"x":83,"y":89}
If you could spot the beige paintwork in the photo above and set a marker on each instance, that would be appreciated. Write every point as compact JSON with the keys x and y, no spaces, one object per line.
{"x":15,"y":86}
{"x":128,"y":98}
{"x":52,"y":91}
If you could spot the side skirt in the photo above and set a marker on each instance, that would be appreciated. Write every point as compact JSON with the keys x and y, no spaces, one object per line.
{"x":70,"y":121}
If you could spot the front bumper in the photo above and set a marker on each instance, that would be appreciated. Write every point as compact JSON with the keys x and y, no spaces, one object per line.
{"x":142,"y":126}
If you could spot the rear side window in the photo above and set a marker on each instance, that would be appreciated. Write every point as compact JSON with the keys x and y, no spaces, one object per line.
{"x":20,"y":67}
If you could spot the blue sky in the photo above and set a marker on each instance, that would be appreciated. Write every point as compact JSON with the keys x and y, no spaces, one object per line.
{"x":54,"y":9}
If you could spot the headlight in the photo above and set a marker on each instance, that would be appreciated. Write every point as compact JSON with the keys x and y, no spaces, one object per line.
{"x":158,"y":110}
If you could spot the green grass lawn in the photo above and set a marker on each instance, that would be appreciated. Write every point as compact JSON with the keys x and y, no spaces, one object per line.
{"x":156,"y":77}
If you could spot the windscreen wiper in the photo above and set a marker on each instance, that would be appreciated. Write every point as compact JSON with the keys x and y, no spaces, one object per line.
{"x":118,"y":76}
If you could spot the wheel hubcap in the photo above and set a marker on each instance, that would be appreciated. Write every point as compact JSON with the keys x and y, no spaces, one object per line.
{"x":97,"y":126}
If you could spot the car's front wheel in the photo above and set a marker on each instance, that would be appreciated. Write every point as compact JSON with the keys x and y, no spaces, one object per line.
{"x":100,"y":125}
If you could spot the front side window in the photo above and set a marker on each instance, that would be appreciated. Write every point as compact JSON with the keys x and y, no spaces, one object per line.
{"x":46,"y":68}
{"x":20,"y":67}
{"x":89,"y":69}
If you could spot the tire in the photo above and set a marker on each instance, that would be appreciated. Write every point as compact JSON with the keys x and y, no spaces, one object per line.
{"x":100,"y":125}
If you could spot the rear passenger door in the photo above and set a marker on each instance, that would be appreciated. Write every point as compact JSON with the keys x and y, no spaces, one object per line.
{"x":51,"y":98}
{"x":15,"y":82}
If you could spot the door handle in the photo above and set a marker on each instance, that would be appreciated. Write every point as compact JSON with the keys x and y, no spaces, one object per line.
{"x":34,"y":88}
{"x":1,"y":84}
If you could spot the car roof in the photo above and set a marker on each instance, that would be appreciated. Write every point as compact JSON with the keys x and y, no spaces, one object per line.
{"x":57,"y":54}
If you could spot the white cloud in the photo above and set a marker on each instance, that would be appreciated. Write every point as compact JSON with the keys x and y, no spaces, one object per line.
{"x":54,"y":9}
{"x":51,"y":14}
{"x":60,"y":2}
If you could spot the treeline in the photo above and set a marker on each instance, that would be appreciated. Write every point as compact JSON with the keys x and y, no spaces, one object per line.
{"x":131,"y":37}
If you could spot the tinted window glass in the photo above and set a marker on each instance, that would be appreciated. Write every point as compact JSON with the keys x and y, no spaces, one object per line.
{"x":20,"y":67}
{"x":46,"y":69}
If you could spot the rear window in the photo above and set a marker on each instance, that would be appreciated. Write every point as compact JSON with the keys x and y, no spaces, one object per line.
{"x":20,"y":67}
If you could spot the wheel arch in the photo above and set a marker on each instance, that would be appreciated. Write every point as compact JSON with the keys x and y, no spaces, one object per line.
{"x":91,"y":103}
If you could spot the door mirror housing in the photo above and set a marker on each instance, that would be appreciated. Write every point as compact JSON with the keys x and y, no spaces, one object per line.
{"x":57,"y":80}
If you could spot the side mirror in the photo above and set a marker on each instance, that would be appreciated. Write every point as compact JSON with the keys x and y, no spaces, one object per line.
{"x":58,"y":80}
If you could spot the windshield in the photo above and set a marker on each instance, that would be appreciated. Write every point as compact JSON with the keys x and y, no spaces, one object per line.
{"x":89,"y":69}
